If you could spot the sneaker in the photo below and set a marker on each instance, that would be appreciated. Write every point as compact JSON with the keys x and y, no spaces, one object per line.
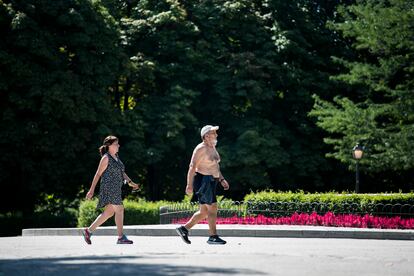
{"x":124,"y":240}
{"x":87,"y":236}
{"x":183,"y":232}
{"x":215,"y":240}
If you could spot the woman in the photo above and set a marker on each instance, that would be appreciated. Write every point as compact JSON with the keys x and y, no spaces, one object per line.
{"x":111,"y":171}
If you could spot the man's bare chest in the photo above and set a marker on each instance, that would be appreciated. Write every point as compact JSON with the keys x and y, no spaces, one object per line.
{"x":212,"y":154}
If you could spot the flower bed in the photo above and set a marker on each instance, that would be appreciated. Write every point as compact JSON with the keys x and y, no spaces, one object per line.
{"x":328,"y":219}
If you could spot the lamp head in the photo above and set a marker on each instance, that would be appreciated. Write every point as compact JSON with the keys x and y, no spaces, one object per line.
{"x":358,"y":151}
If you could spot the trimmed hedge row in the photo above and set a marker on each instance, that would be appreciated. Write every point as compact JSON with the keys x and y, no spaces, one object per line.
{"x":277,"y":204}
{"x":270,"y":195}
{"x":136,"y":212}
{"x":145,"y":212}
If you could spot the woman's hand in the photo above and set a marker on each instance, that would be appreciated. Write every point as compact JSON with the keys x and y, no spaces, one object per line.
{"x":89,"y":195}
{"x":134,"y":186}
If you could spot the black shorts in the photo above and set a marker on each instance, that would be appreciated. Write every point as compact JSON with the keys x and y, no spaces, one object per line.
{"x":204,"y":189}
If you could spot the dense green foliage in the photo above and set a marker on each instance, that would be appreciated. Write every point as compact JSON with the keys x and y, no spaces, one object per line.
{"x":153,"y":72}
{"x":393,"y":198}
{"x":57,"y":59}
{"x":272,"y":203}
{"x":142,"y":212}
{"x":379,"y":110}
{"x":136,"y":212}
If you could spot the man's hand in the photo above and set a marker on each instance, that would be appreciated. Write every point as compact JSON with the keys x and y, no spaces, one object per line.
{"x":189,"y":189}
{"x":225,"y":184}
{"x":89,"y":195}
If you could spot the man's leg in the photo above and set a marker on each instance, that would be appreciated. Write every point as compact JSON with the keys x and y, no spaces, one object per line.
{"x":212,"y":218}
{"x":197,"y":216}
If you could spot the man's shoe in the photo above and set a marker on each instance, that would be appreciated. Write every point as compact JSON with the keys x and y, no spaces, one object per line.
{"x":215,"y":240}
{"x":183,"y":232}
{"x":87,"y":235}
{"x":124,"y":240}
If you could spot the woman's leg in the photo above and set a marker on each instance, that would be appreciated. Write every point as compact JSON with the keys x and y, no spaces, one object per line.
{"x":197,"y":217}
{"x":119,"y":219}
{"x":107,"y":213}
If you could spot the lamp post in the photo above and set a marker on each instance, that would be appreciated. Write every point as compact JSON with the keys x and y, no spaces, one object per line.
{"x":357,"y":153}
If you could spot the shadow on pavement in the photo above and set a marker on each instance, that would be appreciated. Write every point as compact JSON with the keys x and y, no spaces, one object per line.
{"x":107,"y":265}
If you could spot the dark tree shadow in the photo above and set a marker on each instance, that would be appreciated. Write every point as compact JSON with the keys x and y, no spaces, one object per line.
{"x":108,"y":265}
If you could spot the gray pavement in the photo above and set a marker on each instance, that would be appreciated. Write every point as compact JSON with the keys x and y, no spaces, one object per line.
{"x":168,"y":255}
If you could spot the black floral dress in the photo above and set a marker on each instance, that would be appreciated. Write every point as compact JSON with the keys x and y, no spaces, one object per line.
{"x":111,"y":183}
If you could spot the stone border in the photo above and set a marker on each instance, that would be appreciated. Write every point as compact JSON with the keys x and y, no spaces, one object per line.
{"x":269,"y":231}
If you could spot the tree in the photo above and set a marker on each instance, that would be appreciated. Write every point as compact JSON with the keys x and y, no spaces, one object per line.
{"x":379,"y":110}
{"x":248,"y":66}
{"x":158,"y":40}
{"x":57,"y":60}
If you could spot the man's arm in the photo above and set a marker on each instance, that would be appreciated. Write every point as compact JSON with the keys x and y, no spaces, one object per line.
{"x":195,"y":160}
{"x":223,"y":181}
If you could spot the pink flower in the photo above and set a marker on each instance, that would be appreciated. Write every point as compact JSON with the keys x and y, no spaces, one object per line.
{"x":328,"y":219}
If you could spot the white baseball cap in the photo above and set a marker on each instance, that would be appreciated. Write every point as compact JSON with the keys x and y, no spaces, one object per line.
{"x":206,"y":129}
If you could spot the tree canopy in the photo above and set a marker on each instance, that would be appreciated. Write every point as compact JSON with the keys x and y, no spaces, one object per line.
{"x":379,"y":110}
{"x":290,"y":83}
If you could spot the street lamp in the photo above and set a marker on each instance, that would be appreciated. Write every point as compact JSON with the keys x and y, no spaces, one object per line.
{"x":357,"y":153}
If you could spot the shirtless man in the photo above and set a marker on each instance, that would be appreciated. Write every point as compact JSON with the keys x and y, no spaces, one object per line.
{"x":202,"y":178}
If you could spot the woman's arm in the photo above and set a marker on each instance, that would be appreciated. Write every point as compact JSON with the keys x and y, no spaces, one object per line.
{"x":126,"y":177}
{"x":103,"y":164}
{"x":130,"y":182}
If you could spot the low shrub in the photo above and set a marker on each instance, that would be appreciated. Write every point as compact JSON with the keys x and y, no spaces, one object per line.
{"x":272,"y":203}
{"x":331,"y":197}
{"x":136,"y":212}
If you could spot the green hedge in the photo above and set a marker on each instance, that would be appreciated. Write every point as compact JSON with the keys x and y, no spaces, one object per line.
{"x":272,"y":203}
{"x":269,"y":195}
{"x":136,"y":212}
{"x":144,"y":212}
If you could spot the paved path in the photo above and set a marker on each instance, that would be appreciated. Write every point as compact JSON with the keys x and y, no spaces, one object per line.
{"x":70,"y":255}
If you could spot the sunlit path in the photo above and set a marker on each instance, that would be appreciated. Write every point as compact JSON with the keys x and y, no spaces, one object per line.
{"x":170,"y":256}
